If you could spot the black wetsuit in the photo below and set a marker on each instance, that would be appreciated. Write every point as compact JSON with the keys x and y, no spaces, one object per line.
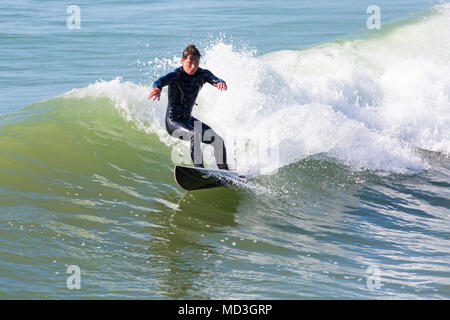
{"x":183,"y":91}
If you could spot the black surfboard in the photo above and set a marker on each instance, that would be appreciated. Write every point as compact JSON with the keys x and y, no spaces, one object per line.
{"x":192,"y":178}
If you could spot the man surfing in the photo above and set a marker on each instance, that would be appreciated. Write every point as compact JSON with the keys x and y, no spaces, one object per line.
{"x":184,"y":84}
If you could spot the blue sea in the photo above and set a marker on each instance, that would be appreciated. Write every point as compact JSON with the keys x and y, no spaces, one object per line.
{"x":339,"y":111}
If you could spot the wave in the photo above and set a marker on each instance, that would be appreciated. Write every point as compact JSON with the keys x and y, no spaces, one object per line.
{"x":370,"y":103}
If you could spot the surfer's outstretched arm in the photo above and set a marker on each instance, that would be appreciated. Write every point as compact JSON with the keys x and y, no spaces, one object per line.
{"x":212,"y":79}
{"x":162,"y":82}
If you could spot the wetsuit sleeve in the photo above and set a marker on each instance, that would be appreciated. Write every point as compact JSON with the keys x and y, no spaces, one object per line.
{"x":165,"y":80}
{"x":210,"y":78}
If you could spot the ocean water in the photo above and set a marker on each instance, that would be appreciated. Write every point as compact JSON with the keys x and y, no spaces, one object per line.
{"x":344,"y":129}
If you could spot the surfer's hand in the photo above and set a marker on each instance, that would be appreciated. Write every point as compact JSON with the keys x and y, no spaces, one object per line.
{"x":156,"y":93}
{"x":221,"y":86}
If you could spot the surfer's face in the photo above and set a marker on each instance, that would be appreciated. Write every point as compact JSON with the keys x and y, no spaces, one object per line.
{"x":190,"y":64}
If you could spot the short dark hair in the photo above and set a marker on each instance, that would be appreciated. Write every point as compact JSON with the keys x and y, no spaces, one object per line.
{"x":191,"y":50}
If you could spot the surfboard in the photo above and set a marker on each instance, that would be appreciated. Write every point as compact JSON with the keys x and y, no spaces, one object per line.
{"x":192,"y":178}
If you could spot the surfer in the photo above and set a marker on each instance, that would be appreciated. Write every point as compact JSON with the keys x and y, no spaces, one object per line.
{"x":184,"y":84}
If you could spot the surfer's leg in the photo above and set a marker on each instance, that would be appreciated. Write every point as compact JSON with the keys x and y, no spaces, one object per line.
{"x":209,"y":136}
{"x":196,"y":139}
{"x":186,"y":131}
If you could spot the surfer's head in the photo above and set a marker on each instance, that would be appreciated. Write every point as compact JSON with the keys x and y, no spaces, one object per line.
{"x":190,"y":59}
